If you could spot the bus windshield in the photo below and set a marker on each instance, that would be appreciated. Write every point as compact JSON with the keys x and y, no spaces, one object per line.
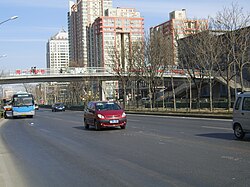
{"x":24,"y":100}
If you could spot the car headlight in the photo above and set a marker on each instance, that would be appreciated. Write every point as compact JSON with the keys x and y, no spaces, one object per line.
{"x":100,"y":116}
{"x":123,"y":114}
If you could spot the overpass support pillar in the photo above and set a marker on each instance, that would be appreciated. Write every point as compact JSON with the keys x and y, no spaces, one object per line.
{"x":108,"y":90}
{"x":100,"y":90}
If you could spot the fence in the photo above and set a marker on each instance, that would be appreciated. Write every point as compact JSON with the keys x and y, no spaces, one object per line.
{"x":184,"y":105}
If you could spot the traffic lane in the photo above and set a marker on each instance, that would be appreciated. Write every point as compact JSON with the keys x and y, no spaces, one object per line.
{"x":132,"y":156}
{"x":200,"y":144}
{"x":158,"y":125}
{"x":49,"y":158}
{"x":216,"y":133}
{"x":177,"y":129}
{"x":209,"y":141}
{"x":155,"y":122}
{"x":185,"y":123}
{"x":37,"y":158}
{"x":195,"y":131}
{"x":45,"y":164}
{"x":212,"y":134}
{"x":181,"y":122}
{"x":183,"y":126}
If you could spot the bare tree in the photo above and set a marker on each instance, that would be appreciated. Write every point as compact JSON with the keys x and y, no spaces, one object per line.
{"x":76,"y":92}
{"x":136,"y":63}
{"x":232,"y":20}
{"x":187,"y":46}
{"x":118,"y":64}
{"x":156,"y":61}
{"x":191,"y":59}
{"x":208,"y":53}
{"x":242,"y":50}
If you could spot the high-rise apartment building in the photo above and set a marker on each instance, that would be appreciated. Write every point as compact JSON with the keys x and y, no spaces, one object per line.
{"x":95,"y":26}
{"x":114,"y":31}
{"x":73,"y":34}
{"x":179,"y":26}
{"x":81,"y":15}
{"x":58,"y":62}
{"x":58,"y":51}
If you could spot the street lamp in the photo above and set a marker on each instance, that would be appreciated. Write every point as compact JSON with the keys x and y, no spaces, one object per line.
{"x":11,"y":18}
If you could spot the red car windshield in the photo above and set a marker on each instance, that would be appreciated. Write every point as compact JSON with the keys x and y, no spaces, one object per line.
{"x":107,"y":106}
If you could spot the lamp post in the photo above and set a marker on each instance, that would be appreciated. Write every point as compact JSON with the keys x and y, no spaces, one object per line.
{"x":11,"y":18}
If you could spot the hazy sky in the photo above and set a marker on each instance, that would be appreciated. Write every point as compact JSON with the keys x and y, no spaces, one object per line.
{"x":23,"y":40}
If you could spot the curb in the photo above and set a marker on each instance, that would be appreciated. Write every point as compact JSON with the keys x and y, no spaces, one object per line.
{"x":197,"y":115}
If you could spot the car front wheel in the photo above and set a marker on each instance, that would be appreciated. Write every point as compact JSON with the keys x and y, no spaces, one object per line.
{"x":97,"y":126}
{"x":238,"y":132}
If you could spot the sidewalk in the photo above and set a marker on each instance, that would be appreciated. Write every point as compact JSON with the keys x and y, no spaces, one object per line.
{"x":5,"y":178}
{"x":9,"y":176}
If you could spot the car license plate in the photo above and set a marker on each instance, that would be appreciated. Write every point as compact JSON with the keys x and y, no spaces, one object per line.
{"x":114,"y":121}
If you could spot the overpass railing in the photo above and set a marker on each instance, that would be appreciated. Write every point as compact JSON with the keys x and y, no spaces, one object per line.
{"x":85,"y":71}
{"x":47,"y":71}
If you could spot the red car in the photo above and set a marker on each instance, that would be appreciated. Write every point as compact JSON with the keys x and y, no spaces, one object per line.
{"x":101,"y":114}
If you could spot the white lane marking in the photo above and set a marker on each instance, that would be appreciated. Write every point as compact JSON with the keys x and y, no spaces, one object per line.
{"x":133,"y":120}
{"x":220,"y":128}
{"x":181,"y":117}
{"x":134,"y":127}
{"x":161,"y":143}
{"x":231,"y":158}
{"x":44,"y":130}
{"x":31,"y":124}
{"x":153,"y":135}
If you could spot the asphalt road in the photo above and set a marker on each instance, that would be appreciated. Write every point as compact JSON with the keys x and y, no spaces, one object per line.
{"x":53,"y":149}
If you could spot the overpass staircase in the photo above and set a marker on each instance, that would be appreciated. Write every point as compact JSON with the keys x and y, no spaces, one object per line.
{"x":164,"y":93}
{"x":234,"y":84}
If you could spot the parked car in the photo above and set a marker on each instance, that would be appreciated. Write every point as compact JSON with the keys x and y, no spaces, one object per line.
{"x":241,"y":115}
{"x":7,"y":110}
{"x":58,"y":107}
{"x":103,"y":114}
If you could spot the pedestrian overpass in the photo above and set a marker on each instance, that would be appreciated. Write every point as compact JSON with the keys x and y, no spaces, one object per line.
{"x":68,"y":75}
{"x":92,"y":74}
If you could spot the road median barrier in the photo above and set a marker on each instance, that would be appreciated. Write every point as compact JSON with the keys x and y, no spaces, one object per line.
{"x":217,"y":113}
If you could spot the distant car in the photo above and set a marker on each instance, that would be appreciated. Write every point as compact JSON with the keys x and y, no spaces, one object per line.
{"x":241,"y":115}
{"x":36,"y":107}
{"x":145,"y":99}
{"x":58,"y":107}
{"x":103,"y":114}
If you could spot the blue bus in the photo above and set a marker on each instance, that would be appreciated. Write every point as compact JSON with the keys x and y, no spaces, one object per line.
{"x":23,"y":105}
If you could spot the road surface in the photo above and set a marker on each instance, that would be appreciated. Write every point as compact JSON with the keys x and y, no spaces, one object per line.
{"x":54,"y":149}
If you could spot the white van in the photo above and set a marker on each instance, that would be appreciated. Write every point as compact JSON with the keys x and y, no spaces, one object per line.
{"x":241,"y":115}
